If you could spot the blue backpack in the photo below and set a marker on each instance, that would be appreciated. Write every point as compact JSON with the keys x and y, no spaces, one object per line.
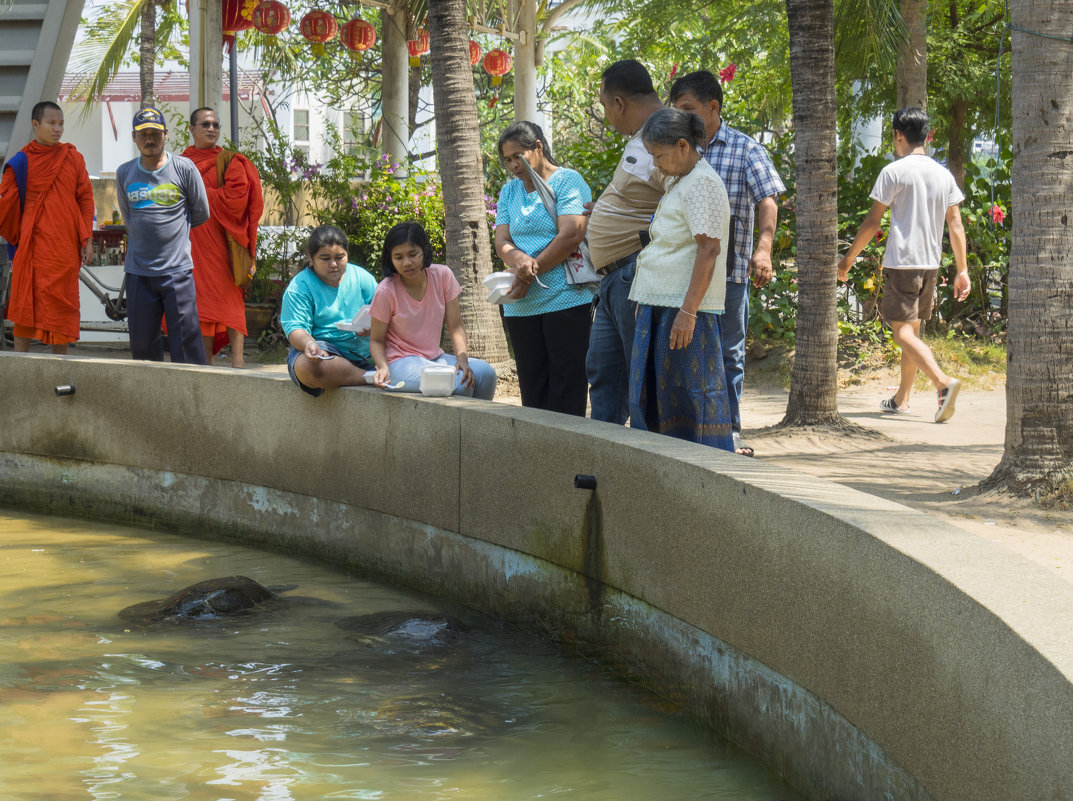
{"x":18,"y":164}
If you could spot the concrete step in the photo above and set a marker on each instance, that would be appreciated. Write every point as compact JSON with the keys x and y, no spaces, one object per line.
{"x":23,"y":12}
{"x":16,"y":58}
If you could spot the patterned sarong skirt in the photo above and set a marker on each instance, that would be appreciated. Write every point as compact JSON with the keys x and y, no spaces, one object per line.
{"x":681,"y":393}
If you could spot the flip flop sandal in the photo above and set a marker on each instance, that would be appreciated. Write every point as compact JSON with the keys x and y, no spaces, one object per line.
{"x":946,"y":401}
{"x":740,"y":447}
{"x":891,"y":405}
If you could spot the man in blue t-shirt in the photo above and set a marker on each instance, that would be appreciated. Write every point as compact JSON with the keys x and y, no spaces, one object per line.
{"x":162,"y":197}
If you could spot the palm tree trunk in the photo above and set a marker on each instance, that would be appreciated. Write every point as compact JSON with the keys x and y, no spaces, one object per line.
{"x":956,"y":146}
{"x":1038,"y":454}
{"x":459,"y":145}
{"x":147,"y":54}
{"x":912,"y":71}
{"x":814,"y":382}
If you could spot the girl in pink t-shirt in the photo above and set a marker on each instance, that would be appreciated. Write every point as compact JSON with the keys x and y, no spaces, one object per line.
{"x":408,"y":312}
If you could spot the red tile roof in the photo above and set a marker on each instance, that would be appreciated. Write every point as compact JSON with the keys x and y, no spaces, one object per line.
{"x":169,"y":87}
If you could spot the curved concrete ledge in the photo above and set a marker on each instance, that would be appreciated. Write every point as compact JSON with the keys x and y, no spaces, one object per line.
{"x":862,"y":649}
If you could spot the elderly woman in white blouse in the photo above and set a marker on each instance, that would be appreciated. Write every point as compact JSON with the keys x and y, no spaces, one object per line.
{"x":677,"y":383}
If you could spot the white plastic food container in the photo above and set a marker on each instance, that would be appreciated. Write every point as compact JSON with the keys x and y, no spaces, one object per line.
{"x":438,"y":380}
{"x":361,"y":322}
{"x":499,"y":285}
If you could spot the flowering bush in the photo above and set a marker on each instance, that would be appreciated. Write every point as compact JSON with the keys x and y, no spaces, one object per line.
{"x":362,"y":195}
{"x":985,"y":213}
{"x":366,"y":208}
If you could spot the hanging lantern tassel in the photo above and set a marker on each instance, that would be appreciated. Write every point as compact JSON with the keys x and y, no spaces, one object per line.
{"x":417,"y":47}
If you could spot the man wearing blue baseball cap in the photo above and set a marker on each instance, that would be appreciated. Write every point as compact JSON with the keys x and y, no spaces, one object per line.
{"x":162,"y":197}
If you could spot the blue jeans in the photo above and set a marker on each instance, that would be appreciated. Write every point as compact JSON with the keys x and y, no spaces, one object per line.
{"x":611,"y":346}
{"x":733,"y":323}
{"x":408,"y":369}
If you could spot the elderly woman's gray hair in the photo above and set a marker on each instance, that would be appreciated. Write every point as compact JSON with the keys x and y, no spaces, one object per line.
{"x":667,"y":126}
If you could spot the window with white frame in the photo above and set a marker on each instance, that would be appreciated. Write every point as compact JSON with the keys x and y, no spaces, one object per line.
{"x":301,"y":125}
{"x":355,"y":127}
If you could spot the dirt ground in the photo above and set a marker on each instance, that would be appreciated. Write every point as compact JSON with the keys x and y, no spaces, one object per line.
{"x":933,"y":468}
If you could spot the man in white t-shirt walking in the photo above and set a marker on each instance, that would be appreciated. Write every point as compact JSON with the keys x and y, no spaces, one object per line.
{"x":921,"y":195}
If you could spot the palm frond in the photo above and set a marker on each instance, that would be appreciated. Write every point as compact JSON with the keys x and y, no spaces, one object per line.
{"x":102,"y":55}
{"x":868,"y":34}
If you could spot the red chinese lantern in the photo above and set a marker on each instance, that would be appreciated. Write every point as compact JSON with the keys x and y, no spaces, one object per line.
{"x":497,"y":64}
{"x":357,"y":35}
{"x":271,"y":18}
{"x":319,"y":27}
{"x":474,"y":53}
{"x":418,"y":47}
{"x":237,"y":16}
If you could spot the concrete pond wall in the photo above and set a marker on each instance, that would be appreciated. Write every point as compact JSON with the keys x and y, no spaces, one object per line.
{"x":863,"y":650}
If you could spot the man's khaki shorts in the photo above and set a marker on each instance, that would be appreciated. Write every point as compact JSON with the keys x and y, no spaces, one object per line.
{"x":908,"y":295}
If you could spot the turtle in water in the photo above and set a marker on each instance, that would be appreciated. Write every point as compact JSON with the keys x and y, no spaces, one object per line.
{"x":413,"y":629}
{"x":437,"y":715}
{"x":206,"y":600}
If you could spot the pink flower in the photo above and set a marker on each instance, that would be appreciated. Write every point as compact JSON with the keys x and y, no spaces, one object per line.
{"x":930,"y":136}
{"x":879,"y":237}
{"x":997,"y":215}
{"x":726,"y":75}
{"x":674,"y":70}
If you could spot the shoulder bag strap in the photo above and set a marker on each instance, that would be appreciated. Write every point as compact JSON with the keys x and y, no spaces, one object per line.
{"x":223,"y":161}
{"x":547,"y":194}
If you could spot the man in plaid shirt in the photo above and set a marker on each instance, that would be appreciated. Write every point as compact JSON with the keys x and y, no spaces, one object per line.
{"x":753,"y":187}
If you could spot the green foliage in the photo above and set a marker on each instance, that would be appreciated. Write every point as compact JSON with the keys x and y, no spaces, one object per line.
{"x":366,"y":208}
{"x":987,"y":185}
{"x":963,"y":49}
{"x":595,"y":161}
{"x":280,"y":255}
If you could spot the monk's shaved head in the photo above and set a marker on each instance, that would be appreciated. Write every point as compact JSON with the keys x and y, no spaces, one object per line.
{"x":39,"y":110}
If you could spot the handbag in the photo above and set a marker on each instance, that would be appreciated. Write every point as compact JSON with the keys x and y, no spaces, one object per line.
{"x":243,"y":265}
{"x":578,"y":266}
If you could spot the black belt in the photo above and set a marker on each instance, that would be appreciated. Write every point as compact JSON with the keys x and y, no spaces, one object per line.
{"x":618,"y":264}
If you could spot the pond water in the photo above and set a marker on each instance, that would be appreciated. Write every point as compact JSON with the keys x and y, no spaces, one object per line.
{"x":285,"y":704}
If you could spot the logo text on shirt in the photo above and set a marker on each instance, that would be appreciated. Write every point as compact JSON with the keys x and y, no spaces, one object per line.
{"x":141,"y":196}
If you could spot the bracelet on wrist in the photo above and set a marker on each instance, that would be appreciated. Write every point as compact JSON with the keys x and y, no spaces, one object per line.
{"x":683,"y":311}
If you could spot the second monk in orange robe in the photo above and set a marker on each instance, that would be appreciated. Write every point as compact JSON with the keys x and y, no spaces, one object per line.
{"x":235,"y":209}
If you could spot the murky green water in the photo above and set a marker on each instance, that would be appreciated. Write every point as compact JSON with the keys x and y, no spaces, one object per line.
{"x":286,"y":705}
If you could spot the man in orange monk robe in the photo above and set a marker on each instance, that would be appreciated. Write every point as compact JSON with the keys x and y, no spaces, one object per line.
{"x":53,"y":229}
{"x":236,"y":207}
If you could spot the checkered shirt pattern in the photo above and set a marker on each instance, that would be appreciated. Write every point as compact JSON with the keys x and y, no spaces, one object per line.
{"x":749,"y":176}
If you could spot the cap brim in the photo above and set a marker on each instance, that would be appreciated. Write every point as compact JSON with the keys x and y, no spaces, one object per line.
{"x":156,"y":126}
